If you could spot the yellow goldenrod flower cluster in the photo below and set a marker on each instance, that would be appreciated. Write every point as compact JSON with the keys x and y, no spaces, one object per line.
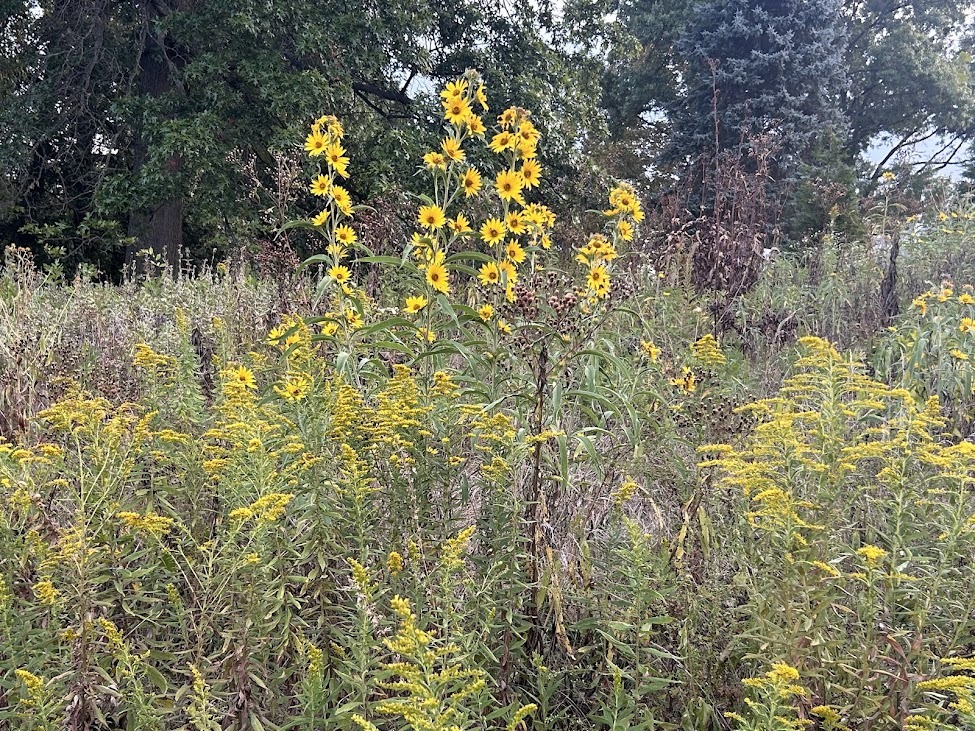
{"x":931,"y":352}
{"x":77,"y":413}
{"x":707,"y":352}
{"x":199,"y":706}
{"x":651,"y":350}
{"x":625,"y":492}
{"x":783,"y":678}
{"x":452,"y":551}
{"x":154,"y":525}
{"x":400,"y":411}
{"x":520,"y":715}
{"x":826,"y":389}
{"x":443,"y":385}
{"x":394,"y":562}
{"x":829,"y":717}
{"x":46,"y":593}
{"x":871,"y":555}
{"x":961,"y":687}
{"x":112,"y":633}
{"x":361,"y":577}
{"x":346,"y":407}
{"x":430,"y":684}
{"x":33,"y":687}
{"x":145,"y":357}
{"x":827,"y":569}
{"x":5,"y":596}
{"x":265,"y":509}
{"x":544,"y":436}
{"x":916,"y":722}
{"x":961,"y":664}
{"x":772,"y":707}
{"x":493,"y":437}
{"x":831,"y":437}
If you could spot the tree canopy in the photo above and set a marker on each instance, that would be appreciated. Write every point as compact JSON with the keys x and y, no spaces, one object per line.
{"x":149,"y":119}
{"x":171,"y":124}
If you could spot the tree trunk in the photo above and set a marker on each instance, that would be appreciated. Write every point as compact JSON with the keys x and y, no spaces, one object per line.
{"x":157,"y":228}
{"x":888,"y":288}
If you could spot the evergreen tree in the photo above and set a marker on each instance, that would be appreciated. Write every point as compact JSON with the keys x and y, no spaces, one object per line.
{"x":756,"y":68}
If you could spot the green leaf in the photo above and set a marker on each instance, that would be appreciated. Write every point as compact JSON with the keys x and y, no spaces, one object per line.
{"x":387,"y":324}
{"x":316,"y":259}
{"x":155,"y":677}
{"x":469,"y":256}
{"x":391,"y":260}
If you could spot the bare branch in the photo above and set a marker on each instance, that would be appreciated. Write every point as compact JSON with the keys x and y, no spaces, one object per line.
{"x":904,"y":142}
{"x":365,"y":87}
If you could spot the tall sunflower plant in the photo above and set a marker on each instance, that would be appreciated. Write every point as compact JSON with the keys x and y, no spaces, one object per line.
{"x":478,"y":256}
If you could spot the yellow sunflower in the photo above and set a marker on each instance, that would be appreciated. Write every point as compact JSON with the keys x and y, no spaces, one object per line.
{"x":531,"y":173}
{"x":452,"y":149}
{"x":315,"y":144}
{"x":508,"y":117}
{"x":337,"y":160}
{"x":625,"y":230}
{"x":470,"y":181}
{"x":460,"y":224}
{"x":489,"y":274}
{"x":345,"y":235}
{"x":514,"y":252}
{"x":598,"y":280}
{"x":438,"y":278}
{"x":516,"y":222}
{"x":509,"y":185}
{"x":493,"y":230}
{"x":431,"y":217}
{"x":454,"y":89}
{"x":244,"y":376}
{"x":340,"y":273}
{"x":434,"y":160}
{"x":476,"y":125}
{"x":320,"y":186}
{"x":501,"y":142}
{"x":456,"y":110}
{"x":508,"y":271}
{"x":342,"y":199}
{"x":415,"y":304}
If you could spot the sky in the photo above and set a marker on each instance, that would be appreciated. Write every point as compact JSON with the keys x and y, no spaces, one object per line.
{"x":920,"y":152}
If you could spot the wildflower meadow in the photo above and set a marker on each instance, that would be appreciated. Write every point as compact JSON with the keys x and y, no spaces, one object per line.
{"x":512,"y":473}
